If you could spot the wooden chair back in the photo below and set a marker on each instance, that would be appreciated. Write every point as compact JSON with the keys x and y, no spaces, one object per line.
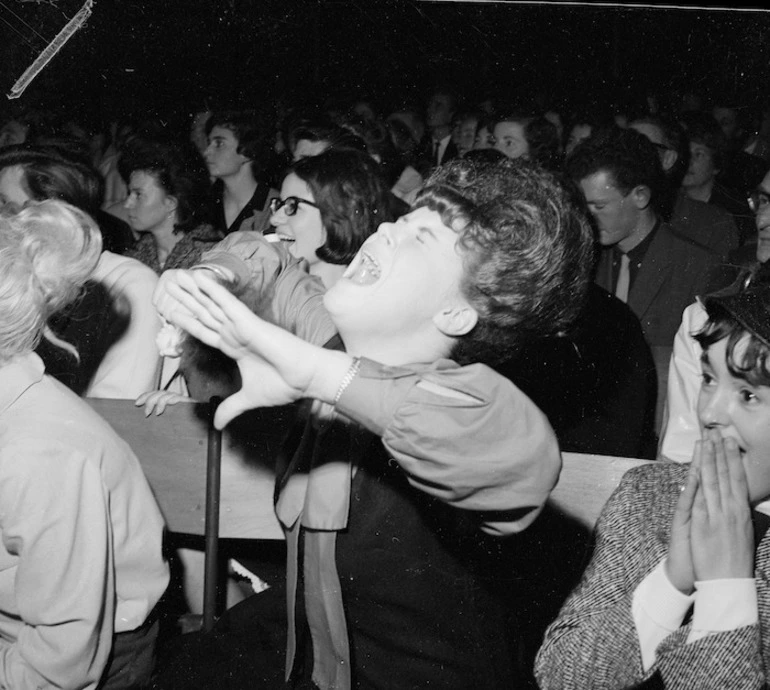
{"x":172,"y":449}
{"x":586,"y":482}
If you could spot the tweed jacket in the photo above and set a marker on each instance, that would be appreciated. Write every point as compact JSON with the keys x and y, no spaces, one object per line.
{"x":593,"y":642}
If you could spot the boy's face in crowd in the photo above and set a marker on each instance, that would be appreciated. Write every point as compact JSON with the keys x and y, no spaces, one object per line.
{"x":740,"y":411}
{"x":221,"y":154}
{"x":616,"y":216}
{"x":405,"y":276}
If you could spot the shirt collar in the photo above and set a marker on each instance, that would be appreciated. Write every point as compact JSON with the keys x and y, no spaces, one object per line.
{"x":19,"y":374}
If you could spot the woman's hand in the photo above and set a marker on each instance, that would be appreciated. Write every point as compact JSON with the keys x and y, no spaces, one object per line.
{"x":156,"y":401}
{"x":722,"y":538}
{"x":164,"y":302}
{"x":276,"y":367}
{"x":679,"y":566}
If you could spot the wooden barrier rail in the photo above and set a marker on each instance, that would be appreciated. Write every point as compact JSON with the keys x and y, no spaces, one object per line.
{"x":172,"y":450}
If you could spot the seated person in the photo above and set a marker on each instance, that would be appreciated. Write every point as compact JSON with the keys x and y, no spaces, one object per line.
{"x":675,"y":538}
{"x":681,"y":428}
{"x":166,"y":207}
{"x":410,"y":492}
{"x":237,"y":155}
{"x":527,"y":136}
{"x":643,"y":260}
{"x":707,"y":157}
{"x":113,"y":327}
{"x":706,"y":224}
{"x":82,"y":568}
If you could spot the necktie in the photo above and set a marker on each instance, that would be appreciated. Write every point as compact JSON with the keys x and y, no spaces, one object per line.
{"x":624,"y":279}
{"x":436,"y":146}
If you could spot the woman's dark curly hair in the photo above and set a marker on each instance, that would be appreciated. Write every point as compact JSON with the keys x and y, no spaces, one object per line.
{"x":527,"y":248}
{"x":179,"y":170}
{"x":351,"y":194}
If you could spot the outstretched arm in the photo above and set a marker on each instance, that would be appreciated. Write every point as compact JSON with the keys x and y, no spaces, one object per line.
{"x":276,"y":367}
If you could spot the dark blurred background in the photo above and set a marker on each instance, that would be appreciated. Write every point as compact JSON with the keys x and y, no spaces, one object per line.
{"x":171,"y":57}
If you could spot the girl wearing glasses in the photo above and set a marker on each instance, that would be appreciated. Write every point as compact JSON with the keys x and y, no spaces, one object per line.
{"x":329,"y":205}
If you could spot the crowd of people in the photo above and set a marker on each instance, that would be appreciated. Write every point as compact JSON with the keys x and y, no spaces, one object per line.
{"x":448,"y":295}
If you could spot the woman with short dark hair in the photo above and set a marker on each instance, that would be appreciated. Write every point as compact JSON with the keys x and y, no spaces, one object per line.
{"x":166,"y":204}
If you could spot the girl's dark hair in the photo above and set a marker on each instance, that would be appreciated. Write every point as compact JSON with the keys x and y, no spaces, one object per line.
{"x":179,"y":170}
{"x":351,"y":194}
{"x":751,"y":364}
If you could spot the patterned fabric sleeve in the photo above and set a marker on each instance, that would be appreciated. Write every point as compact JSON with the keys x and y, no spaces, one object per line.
{"x":731,"y":659}
{"x":593,"y":643}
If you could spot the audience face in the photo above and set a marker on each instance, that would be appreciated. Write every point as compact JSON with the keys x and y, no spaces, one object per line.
{"x":148,"y":204}
{"x":483,"y":139}
{"x":13,"y":132}
{"x":576,"y":135}
{"x":464,"y":134}
{"x":405,"y":279}
{"x":221,"y":154}
{"x":702,"y":169}
{"x":762,"y":220}
{"x":365,"y":111}
{"x":12,"y":188}
{"x":728,"y":121}
{"x":738,"y":410}
{"x":306,"y":148}
{"x":510,"y":139}
{"x":439,"y":111}
{"x":615,"y":213}
{"x":304,"y":231}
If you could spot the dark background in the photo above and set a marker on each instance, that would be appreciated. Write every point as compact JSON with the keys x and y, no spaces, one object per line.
{"x":169,"y":57}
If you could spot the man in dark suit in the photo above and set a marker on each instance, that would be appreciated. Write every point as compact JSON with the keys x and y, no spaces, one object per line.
{"x":439,"y":112}
{"x":645,"y":263}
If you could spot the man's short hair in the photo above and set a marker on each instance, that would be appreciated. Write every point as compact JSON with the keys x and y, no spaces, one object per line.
{"x":527,"y":249}
{"x":628,"y":156}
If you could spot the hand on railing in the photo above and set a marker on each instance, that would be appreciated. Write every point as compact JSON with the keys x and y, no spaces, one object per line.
{"x":157,"y":401}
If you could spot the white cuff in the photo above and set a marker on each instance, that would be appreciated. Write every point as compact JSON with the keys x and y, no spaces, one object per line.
{"x":721,"y":605}
{"x":658,"y":609}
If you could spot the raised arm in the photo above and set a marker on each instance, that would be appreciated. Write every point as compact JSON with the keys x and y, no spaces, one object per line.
{"x":431,"y":419}
{"x":265,"y":277}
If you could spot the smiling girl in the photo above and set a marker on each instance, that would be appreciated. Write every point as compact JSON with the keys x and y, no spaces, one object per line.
{"x":677,"y":588}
